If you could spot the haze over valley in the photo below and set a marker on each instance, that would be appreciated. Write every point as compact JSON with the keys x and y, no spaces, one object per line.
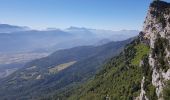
{"x":85,"y":50}
{"x":22,"y":44}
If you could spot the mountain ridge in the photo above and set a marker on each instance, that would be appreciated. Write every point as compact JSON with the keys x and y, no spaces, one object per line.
{"x":141,"y":71}
{"x":87,"y":60}
{"x":57,"y":39}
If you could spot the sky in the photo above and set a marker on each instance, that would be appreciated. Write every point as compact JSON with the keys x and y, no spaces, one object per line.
{"x":96,"y":14}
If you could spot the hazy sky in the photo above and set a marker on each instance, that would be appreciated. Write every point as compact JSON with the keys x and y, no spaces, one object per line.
{"x":100,"y":14}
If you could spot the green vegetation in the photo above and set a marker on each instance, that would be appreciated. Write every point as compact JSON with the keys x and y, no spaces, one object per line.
{"x":166,"y":91}
{"x":35,"y":82}
{"x":159,"y":52}
{"x":150,"y":90}
{"x":142,"y":50}
{"x":147,"y":73}
{"x":120,"y":78}
{"x":162,"y":20}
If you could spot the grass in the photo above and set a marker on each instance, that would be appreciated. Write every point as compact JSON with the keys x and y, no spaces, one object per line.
{"x":61,"y":67}
{"x":141,"y":50}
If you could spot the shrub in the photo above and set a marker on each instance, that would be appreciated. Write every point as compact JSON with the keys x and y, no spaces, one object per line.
{"x":166,"y":91}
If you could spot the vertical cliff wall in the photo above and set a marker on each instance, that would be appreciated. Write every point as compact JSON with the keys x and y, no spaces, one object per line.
{"x":156,"y":30}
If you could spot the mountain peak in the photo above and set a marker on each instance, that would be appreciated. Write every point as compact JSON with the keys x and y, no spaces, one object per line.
{"x":7,"y":28}
{"x":159,"y":4}
{"x":158,"y":8}
{"x":157,"y":31}
{"x":157,"y":20}
{"x":73,"y":28}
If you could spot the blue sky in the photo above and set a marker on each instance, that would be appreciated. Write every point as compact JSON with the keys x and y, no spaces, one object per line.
{"x":99,"y":14}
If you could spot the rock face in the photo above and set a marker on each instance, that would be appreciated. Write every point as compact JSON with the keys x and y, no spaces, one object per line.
{"x":143,"y":93}
{"x":156,"y":29}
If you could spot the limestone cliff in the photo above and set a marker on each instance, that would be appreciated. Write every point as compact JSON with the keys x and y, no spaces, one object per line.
{"x":156,"y":30}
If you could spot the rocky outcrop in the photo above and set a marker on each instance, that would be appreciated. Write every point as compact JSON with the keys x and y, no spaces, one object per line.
{"x":143,"y":93}
{"x":157,"y":30}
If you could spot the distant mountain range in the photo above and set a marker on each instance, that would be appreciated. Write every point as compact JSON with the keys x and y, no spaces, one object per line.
{"x":6,"y":28}
{"x":23,"y":39}
{"x":18,"y":43}
{"x":134,"y":69}
{"x":112,"y":35}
